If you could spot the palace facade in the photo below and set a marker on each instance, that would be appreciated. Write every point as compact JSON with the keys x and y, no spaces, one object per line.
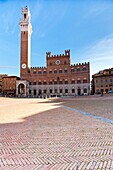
{"x":58,"y":78}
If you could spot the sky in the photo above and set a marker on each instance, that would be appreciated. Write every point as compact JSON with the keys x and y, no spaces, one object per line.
{"x":83,"y":26}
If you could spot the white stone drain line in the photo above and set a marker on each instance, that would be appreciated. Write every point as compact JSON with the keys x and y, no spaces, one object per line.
{"x":90,"y":115}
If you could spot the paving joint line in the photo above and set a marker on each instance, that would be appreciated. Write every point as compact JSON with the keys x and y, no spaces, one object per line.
{"x":106,"y":120}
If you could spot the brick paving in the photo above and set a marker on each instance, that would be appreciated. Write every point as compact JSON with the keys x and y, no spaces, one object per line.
{"x":43,"y":134}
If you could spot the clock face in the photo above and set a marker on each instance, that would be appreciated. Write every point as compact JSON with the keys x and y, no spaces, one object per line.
{"x":57,"y":62}
{"x":23,"y":66}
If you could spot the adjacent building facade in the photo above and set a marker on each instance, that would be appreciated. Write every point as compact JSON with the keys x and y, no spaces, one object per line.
{"x":59,"y":77}
{"x":103,"y":81}
{"x":9,"y":85}
{"x":1,"y":75}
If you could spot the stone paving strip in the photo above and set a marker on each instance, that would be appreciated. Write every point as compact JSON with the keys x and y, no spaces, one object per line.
{"x":52,"y":138}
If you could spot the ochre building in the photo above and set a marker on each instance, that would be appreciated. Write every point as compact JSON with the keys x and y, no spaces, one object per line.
{"x":1,"y":75}
{"x":103,"y":81}
{"x":9,"y":85}
{"x":59,"y":77}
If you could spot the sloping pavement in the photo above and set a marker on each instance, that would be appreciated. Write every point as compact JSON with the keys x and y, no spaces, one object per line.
{"x":45,"y":135}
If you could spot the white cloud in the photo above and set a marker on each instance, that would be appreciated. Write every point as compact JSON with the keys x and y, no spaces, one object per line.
{"x":8,"y":66}
{"x":100,"y":54}
{"x":96,"y":9}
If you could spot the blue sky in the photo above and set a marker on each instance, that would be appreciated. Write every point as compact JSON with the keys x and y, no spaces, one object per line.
{"x":83,"y":26}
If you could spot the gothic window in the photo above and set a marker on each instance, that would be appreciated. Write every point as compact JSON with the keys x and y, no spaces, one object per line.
{"x":60,"y":71}
{"x":55,"y":82}
{"x":55,"y":71}
{"x":84,"y":80}
{"x":39,"y":72}
{"x":78,"y":69}
{"x":78,"y":81}
{"x":39,"y":83}
{"x":34,"y":92}
{"x":44,"y":72}
{"x":50,"y":63}
{"x":50,"y":82}
{"x":45,"y":83}
{"x":45,"y":91}
{"x":65,"y":71}
{"x":60,"y":90}
{"x":50,"y":71}
{"x":34,"y":71}
{"x":65,"y":62}
{"x":29,"y":91}
{"x":84,"y":68}
{"x":60,"y":82}
{"x":55,"y":90}
{"x":66,"y":81}
{"x":50,"y":90}
{"x":72,"y":70}
{"x":73,"y":90}
{"x":66,"y":90}
{"x":85,"y":90}
{"x":34,"y":83}
{"x":73,"y":81}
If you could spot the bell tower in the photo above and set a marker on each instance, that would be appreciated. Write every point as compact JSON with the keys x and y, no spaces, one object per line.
{"x":25,"y":42}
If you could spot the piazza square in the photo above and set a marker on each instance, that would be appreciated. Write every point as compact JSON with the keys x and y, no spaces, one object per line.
{"x":70,"y":133}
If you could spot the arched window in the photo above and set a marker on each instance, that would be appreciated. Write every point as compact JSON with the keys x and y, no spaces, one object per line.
{"x":84,"y":68}
{"x":34,"y":71}
{"x":72,"y":70}
{"x":45,"y":91}
{"x":34,"y":83}
{"x":60,"y":90}
{"x":45,"y":82}
{"x":66,"y":81}
{"x":50,"y":82}
{"x":34,"y":92}
{"x":85,"y":90}
{"x":29,"y":91}
{"x":66,"y":70}
{"x":39,"y":83}
{"x":39,"y":72}
{"x":84,"y":80}
{"x":55,"y":82}
{"x":65,"y":62}
{"x":60,"y":71}
{"x":78,"y":81}
{"x":55,"y":71}
{"x":55,"y":90}
{"x":44,"y":72}
{"x":50,"y":90}
{"x":50,"y":71}
{"x":72,"y":81}
{"x":78,"y":69}
{"x":73,"y":90}
{"x":66,"y":90}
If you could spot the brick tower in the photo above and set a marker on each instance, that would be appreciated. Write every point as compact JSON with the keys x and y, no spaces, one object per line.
{"x":26,"y":30}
